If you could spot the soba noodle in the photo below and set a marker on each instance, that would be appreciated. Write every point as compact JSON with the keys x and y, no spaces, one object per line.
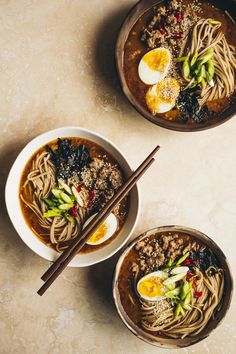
{"x":159,"y":316}
{"x":205,"y":291}
{"x":39,"y":182}
{"x":206,"y":35}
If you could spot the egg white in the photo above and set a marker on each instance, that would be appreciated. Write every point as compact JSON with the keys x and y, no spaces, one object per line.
{"x":164,"y":107}
{"x":150,"y":76}
{"x":111,"y":224}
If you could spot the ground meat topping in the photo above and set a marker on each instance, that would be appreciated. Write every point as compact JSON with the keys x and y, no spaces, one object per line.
{"x":140,"y":245}
{"x":147,"y":250}
{"x":155,"y":253}
{"x":103,"y":179}
{"x":170,"y":24}
{"x":115,"y":178}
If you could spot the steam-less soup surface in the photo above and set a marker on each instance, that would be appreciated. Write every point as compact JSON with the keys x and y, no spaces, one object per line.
{"x":64,"y":185}
{"x":180,"y":61}
{"x":171,"y":285}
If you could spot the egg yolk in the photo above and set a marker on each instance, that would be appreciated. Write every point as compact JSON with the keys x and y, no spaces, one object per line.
{"x":157,"y":60}
{"x":166,"y":91}
{"x":99,"y":233}
{"x":152,"y":100}
{"x":151,"y":287}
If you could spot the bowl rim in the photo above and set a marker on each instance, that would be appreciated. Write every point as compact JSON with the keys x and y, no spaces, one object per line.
{"x":131,"y":18}
{"x":115,"y":292}
{"x":43,"y":250}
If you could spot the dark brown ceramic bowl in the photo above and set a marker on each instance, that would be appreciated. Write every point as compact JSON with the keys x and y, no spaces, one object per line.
{"x":212,"y":324}
{"x":135,"y":13}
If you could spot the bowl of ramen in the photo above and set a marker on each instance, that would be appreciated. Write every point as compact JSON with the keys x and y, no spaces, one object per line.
{"x":172,"y":286}
{"x":58,"y":183}
{"x":176,"y":62}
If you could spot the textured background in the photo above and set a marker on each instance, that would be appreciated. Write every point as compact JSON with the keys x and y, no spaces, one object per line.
{"x":57,"y":69}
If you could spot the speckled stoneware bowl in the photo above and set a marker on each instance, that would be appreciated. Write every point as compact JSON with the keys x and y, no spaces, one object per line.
{"x":15,"y":212}
{"x":132,"y":17}
{"x":212,"y":324}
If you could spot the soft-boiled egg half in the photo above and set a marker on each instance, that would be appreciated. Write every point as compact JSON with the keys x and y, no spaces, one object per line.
{"x":154,"y":66}
{"x":162,"y":97}
{"x":151,"y":287}
{"x":104,"y":231}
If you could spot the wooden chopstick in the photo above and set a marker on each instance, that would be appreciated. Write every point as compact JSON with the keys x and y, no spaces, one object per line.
{"x":88,"y":228}
{"x":82,"y":241}
{"x":63,"y":260}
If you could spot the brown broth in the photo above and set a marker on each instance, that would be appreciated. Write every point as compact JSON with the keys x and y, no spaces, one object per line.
{"x":135,"y":45}
{"x":30,"y":217}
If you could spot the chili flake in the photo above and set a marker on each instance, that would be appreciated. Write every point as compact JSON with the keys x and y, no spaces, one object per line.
{"x":197,"y":294}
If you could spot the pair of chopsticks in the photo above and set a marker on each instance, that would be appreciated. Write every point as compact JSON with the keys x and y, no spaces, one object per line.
{"x":76,"y":245}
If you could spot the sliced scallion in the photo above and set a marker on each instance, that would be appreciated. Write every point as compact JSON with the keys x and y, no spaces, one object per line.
{"x":51,"y":214}
{"x":184,"y":290}
{"x":172,"y":293}
{"x":181,"y":59}
{"x":182,"y":259}
{"x":214,"y":22}
{"x":56,"y":192}
{"x":77,"y":196}
{"x":186,"y":69}
{"x":186,"y":302}
{"x":174,"y":279}
{"x":63,"y":185}
{"x":194,"y":58}
{"x":65,"y":206}
{"x":50,"y":202}
{"x":65,"y":197}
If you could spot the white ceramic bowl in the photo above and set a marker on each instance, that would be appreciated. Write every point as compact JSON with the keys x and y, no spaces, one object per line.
{"x":14,"y":209}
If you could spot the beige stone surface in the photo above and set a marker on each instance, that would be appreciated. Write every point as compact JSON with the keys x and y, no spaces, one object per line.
{"x":57,"y":69}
